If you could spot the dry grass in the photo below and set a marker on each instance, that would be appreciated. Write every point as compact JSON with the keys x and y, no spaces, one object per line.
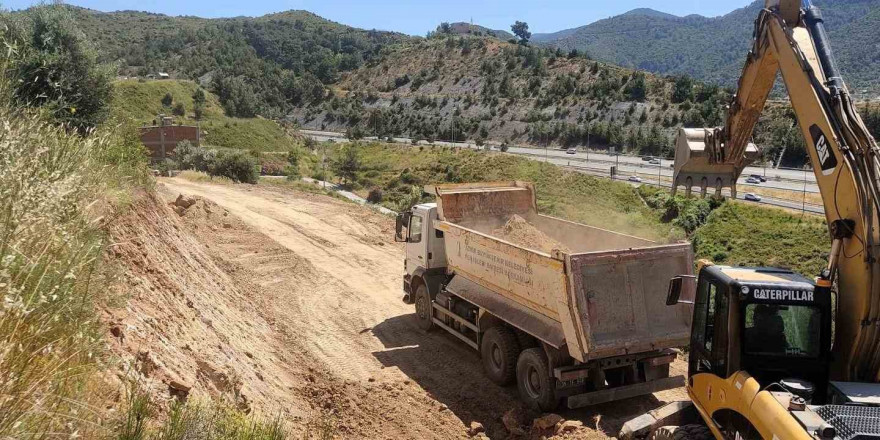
{"x":56,"y":191}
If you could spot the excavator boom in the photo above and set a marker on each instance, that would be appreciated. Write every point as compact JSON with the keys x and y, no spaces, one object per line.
{"x":765,"y":359}
{"x":790,"y":37}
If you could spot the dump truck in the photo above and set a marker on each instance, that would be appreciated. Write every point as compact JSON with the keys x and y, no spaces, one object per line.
{"x":568,"y":312}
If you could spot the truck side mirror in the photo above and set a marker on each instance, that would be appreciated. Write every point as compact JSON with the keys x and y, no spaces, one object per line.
{"x":674,"y":292}
{"x":402,"y":220}
{"x":676,"y":286}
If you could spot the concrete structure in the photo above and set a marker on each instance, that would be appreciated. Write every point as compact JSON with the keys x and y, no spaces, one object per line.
{"x":162,"y":137}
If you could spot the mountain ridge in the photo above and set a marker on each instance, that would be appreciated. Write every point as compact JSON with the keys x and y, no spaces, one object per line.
{"x":713,"y":48}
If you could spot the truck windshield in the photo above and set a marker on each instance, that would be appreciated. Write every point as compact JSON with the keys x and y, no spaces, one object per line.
{"x":782,"y":330}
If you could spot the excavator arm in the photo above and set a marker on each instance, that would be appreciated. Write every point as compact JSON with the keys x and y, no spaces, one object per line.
{"x":790,"y":38}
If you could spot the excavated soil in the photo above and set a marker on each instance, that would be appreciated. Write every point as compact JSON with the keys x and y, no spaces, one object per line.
{"x":519,"y":231}
{"x":289,"y":304}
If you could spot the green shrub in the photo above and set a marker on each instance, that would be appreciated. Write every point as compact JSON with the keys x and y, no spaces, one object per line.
{"x":54,"y":67}
{"x":273,"y":166}
{"x":292,"y":172}
{"x":196,"y":420}
{"x":375,"y":195}
{"x":190,"y":157}
{"x":235,"y":165}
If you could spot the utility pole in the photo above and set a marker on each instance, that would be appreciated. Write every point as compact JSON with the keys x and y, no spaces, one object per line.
{"x":804,"y":202}
{"x":588,"y":145}
{"x":659,"y":169}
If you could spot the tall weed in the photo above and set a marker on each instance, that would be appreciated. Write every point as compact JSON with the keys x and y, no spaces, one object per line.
{"x":53,"y":201}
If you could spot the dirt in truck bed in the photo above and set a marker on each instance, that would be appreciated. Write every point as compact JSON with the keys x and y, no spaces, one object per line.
{"x":519,"y":231}
{"x":311,"y":325}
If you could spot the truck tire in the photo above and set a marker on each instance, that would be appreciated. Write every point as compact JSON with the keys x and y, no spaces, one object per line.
{"x":499,"y":350}
{"x":684,"y":432}
{"x":536,"y":388}
{"x":424,"y":308}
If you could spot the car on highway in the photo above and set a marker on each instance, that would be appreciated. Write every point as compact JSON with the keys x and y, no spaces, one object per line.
{"x":635,"y":179}
{"x":571,"y":151}
{"x":752,"y":197}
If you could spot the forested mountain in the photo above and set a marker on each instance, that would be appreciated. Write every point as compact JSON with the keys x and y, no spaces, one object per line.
{"x":714,"y":49}
{"x":460,"y":83}
{"x":265,"y":65}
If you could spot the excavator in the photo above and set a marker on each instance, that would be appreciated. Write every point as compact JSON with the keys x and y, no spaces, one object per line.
{"x":774,"y":354}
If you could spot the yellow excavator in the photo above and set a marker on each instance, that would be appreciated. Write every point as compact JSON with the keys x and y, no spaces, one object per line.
{"x":774,"y":354}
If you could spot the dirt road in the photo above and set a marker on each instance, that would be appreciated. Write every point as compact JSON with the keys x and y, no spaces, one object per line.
{"x":328,"y":276}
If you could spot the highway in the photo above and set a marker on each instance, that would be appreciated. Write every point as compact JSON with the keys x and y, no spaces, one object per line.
{"x":600,"y":163}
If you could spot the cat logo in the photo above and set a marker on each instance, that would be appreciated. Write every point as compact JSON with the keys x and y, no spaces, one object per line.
{"x":827,"y":160}
{"x":782,"y":295}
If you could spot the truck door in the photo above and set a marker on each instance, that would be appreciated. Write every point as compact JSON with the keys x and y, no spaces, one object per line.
{"x":709,"y":334}
{"x":416,"y":244}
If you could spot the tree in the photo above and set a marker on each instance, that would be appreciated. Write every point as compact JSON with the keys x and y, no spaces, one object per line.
{"x":53,"y":66}
{"x":521,"y":30}
{"x":348,"y":163}
{"x":199,"y":101}
{"x":236,"y":95}
{"x":636,"y":89}
{"x":354,"y":133}
{"x":683,"y":89}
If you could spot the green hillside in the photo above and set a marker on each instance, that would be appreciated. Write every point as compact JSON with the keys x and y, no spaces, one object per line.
{"x":264,"y":65}
{"x":141,"y":101}
{"x":714,"y":49}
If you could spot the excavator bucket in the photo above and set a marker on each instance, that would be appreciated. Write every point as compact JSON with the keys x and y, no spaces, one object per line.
{"x":700,"y":161}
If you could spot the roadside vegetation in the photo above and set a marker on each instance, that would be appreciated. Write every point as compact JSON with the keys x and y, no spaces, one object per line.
{"x":726,"y":232}
{"x":739,"y":234}
{"x":68,"y":169}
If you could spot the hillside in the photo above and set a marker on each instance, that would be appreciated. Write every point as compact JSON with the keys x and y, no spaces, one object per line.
{"x":461,"y":28}
{"x":485,"y":89}
{"x":714,"y":49}
{"x":263,"y":65}
{"x":140,"y":102}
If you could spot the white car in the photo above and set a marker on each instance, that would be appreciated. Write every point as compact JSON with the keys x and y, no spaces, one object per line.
{"x":753,"y":197}
{"x":635,"y":179}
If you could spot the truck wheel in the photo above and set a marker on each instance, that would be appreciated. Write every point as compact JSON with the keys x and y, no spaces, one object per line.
{"x":536,"y":388}
{"x":684,"y":432}
{"x":499,"y":349}
{"x":424,"y":311}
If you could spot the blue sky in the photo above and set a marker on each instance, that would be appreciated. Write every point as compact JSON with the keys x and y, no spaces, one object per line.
{"x":418,"y":16}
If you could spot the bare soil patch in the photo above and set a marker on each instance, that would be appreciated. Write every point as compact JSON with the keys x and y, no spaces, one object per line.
{"x":290,"y":303}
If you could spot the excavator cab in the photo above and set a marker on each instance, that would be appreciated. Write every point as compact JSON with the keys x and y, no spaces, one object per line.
{"x":771,"y":322}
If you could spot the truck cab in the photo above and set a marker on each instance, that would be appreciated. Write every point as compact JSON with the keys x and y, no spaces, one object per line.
{"x":425,"y":261}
